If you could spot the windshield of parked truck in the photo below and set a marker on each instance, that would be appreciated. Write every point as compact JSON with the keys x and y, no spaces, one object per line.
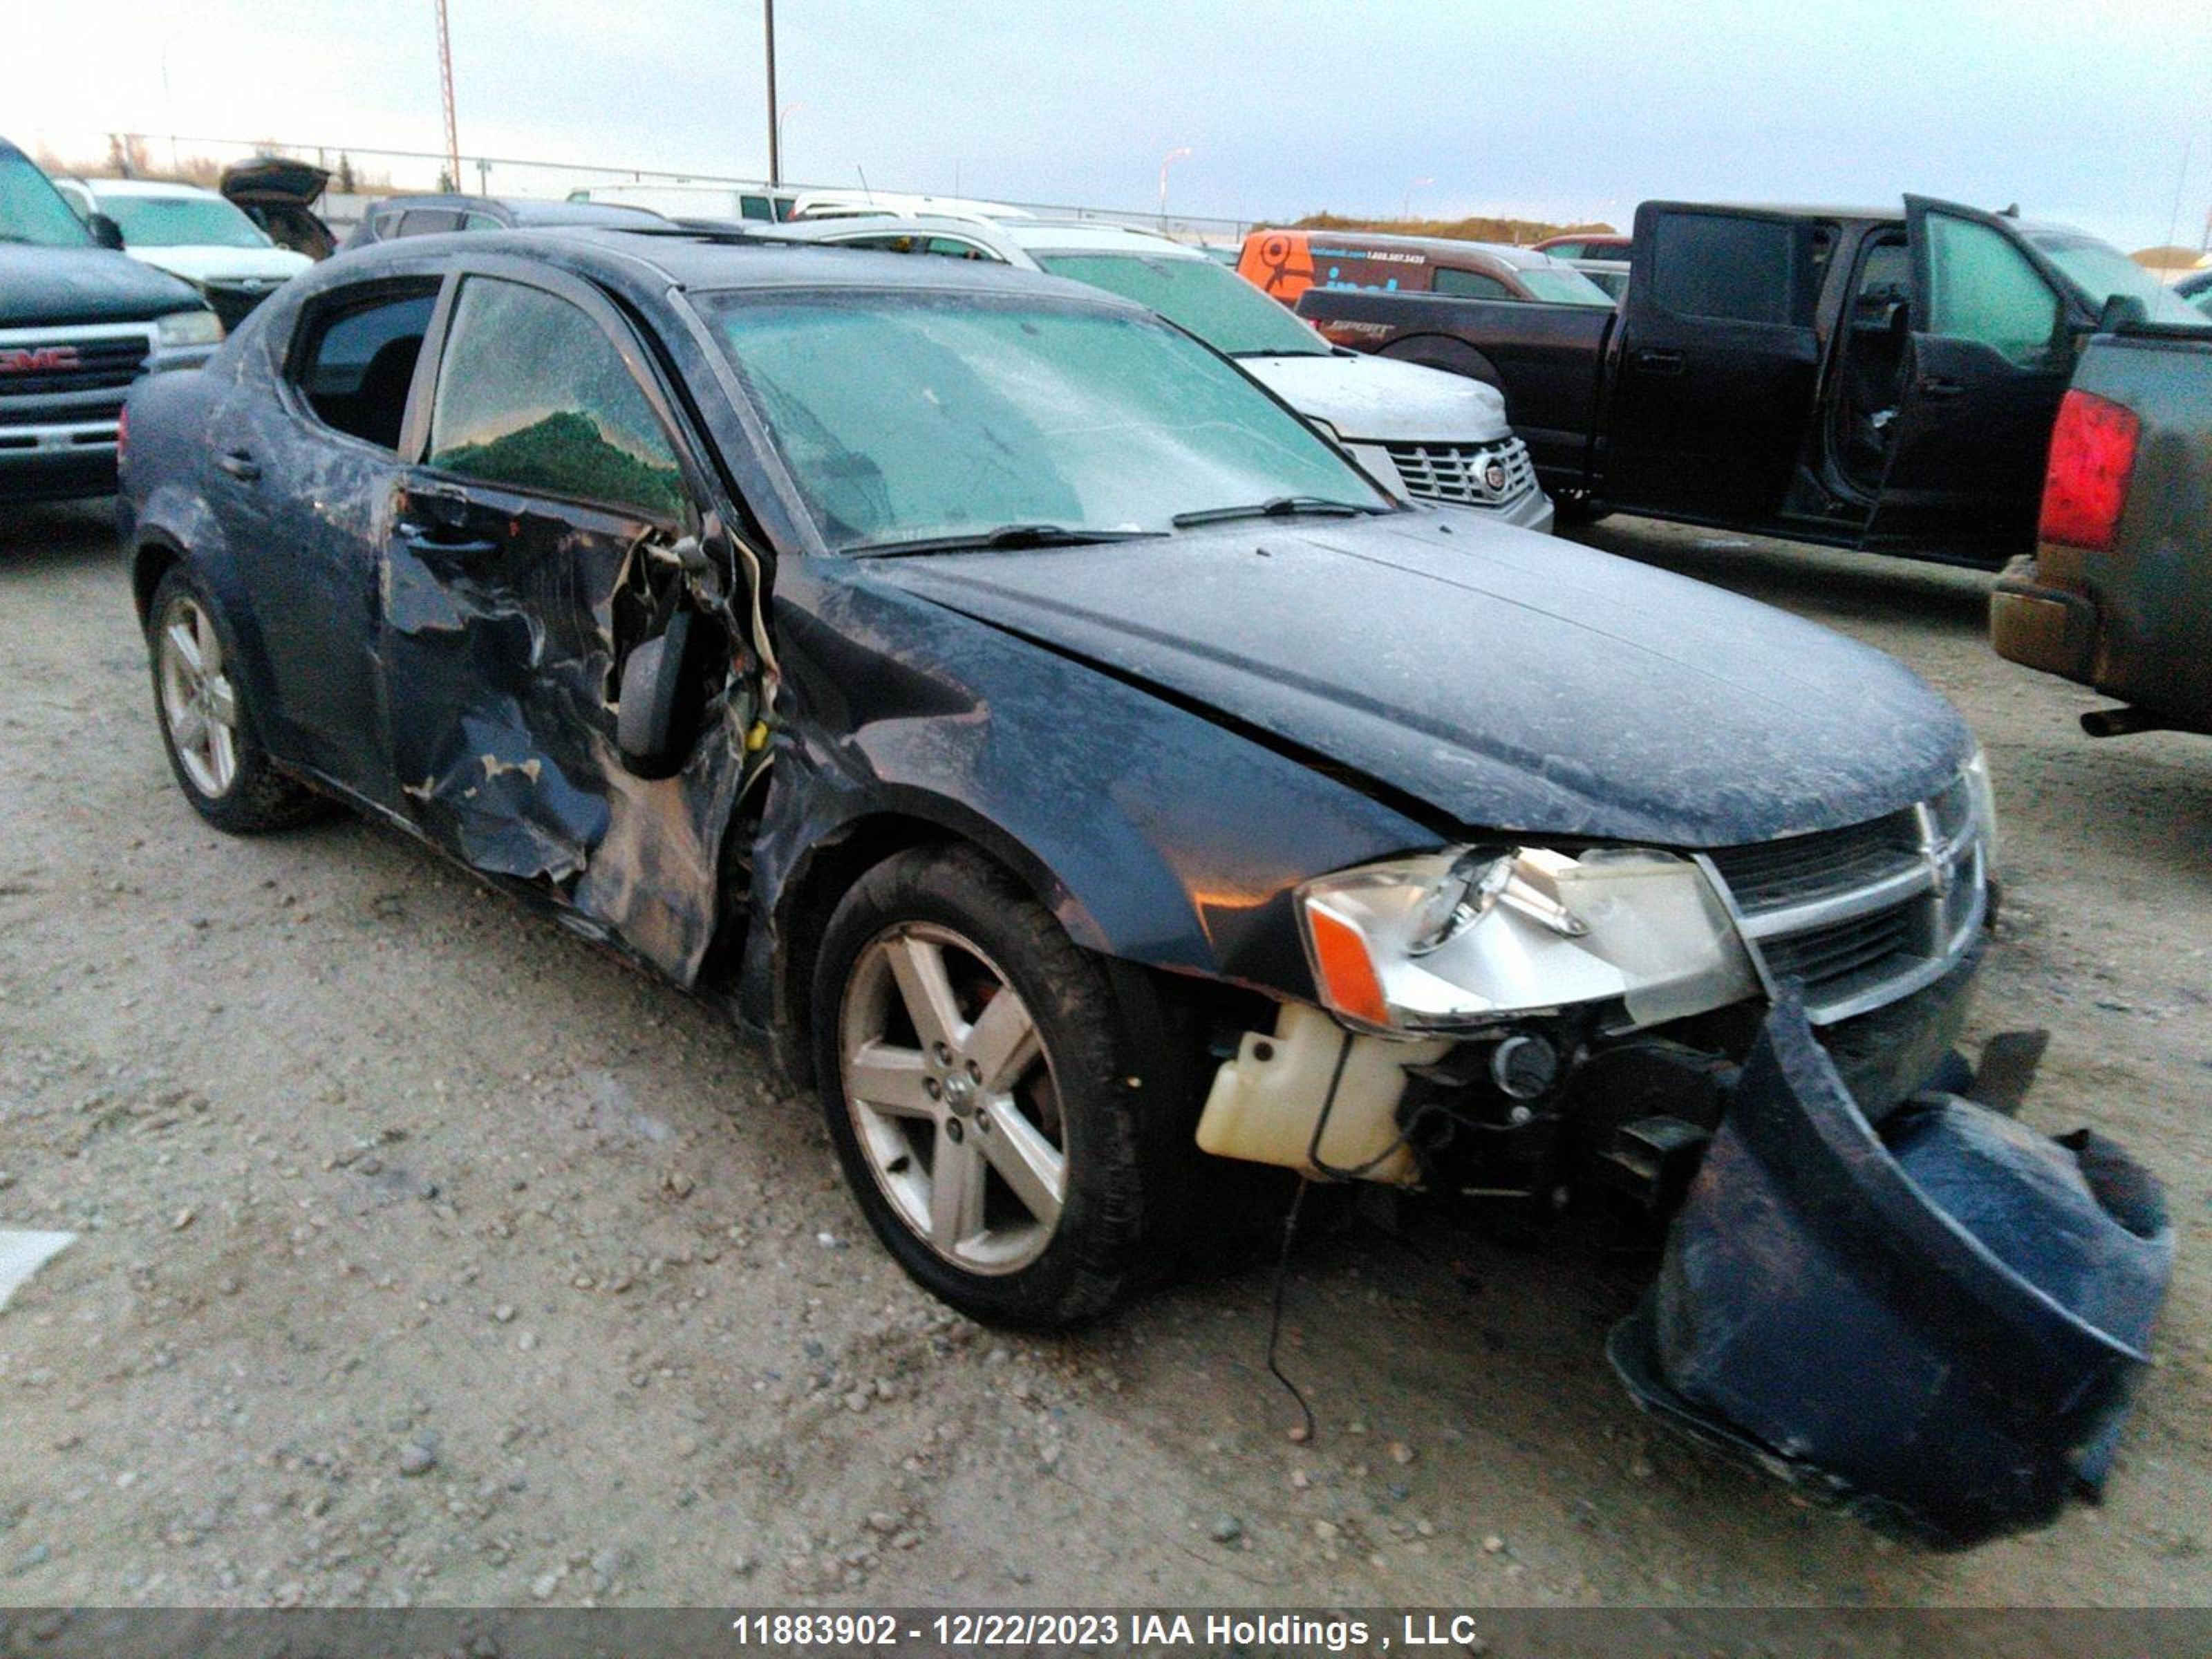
{"x":32,"y":210}
{"x":2102,"y":270}
{"x":1210,"y":300}
{"x":1563,"y":287}
{"x":921,"y":416}
{"x":181,"y":221}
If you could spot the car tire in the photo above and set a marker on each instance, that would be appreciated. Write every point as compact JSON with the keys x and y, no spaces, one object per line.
{"x":207,"y":717}
{"x":1021,"y":1190}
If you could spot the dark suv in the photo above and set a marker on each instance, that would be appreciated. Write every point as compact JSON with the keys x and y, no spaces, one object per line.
{"x":79,"y":322}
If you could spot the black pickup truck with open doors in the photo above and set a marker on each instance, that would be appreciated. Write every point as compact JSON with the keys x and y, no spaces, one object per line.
{"x":1863,"y":378}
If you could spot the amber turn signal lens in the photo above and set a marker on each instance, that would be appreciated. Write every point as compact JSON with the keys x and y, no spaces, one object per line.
{"x":1347,"y":974}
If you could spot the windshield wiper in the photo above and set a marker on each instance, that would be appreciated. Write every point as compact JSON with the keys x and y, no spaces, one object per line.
{"x":1280,"y":507}
{"x":1006,"y":535}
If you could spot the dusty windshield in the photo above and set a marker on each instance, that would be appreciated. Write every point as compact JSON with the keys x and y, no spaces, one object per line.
{"x":181,"y":221}
{"x":2102,"y":270}
{"x":907,"y":417}
{"x":1211,"y":301}
{"x":32,"y":210}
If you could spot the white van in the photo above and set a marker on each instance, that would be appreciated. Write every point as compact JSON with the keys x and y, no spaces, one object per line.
{"x":1426,"y":434}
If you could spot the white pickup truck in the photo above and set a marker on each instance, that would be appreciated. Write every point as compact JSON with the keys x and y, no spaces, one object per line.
{"x":1423,"y":432}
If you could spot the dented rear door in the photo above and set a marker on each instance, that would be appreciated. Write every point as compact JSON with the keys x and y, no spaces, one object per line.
{"x":529,"y":554}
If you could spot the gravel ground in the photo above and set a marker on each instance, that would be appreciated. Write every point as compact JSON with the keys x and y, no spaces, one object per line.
{"x":427,"y":1256}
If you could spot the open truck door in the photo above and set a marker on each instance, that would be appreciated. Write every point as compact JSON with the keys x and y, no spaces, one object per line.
{"x":1719,"y":363}
{"x":1991,"y":350}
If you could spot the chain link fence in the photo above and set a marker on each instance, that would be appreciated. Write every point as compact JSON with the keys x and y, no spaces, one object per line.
{"x":360,"y":173}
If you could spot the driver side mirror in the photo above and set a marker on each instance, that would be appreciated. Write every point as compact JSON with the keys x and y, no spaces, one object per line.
{"x":104,"y":231}
{"x":652,"y":731}
{"x":2121,"y":311}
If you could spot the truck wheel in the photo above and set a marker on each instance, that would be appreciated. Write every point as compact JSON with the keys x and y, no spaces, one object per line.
{"x":975,"y":1072}
{"x":207,"y":721}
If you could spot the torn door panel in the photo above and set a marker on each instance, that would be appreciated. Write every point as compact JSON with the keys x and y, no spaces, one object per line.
{"x":502,"y":668}
{"x":654,"y":874}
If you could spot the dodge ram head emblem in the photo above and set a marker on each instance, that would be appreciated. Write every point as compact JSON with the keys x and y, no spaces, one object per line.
{"x":38,"y":360}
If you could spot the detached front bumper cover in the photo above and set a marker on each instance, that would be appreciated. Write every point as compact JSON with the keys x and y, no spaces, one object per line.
{"x":1937,"y":1325}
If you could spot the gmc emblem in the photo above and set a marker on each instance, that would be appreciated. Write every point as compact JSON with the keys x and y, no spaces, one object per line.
{"x":38,"y":360}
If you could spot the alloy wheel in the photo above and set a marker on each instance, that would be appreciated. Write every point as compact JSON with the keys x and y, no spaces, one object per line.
{"x":199,"y":704}
{"x":952,"y":1098}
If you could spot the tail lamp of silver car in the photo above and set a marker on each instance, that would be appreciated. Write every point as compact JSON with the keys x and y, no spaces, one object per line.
{"x":1471,"y":987}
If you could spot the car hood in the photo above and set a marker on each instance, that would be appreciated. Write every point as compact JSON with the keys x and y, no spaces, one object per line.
{"x":1371,"y":399}
{"x":1506,"y":680}
{"x":226,"y":265}
{"x":43,"y":286}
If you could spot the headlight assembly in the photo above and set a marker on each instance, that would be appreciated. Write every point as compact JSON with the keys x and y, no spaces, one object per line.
{"x":1466,"y":936}
{"x":188,"y":328}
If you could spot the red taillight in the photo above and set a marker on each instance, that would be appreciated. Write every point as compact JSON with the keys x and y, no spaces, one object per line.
{"x":2093,"y":456}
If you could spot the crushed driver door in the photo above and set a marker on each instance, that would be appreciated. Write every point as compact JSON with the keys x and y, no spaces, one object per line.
{"x":542,"y":538}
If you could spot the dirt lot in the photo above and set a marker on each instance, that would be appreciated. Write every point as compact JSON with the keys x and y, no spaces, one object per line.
{"x":427,"y":1256}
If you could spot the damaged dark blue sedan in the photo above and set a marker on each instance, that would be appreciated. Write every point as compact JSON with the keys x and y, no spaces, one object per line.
{"x":1067,"y":755}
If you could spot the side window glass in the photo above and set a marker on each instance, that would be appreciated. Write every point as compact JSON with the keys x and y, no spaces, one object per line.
{"x":755,"y":207}
{"x":1711,"y":264}
{"x":1981,"y":287}
{"x":479,"y":221}
{"x":356,"y":360}
{"x":531,"y":394}
{"x":1470,"y":284}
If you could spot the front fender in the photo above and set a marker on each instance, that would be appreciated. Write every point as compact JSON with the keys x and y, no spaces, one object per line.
{"x":1156,"y":834}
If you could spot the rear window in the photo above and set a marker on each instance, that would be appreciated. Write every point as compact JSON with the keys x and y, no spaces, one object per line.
{"x":356,"y":357}
{"x":425,"y":221}
{"x":1717,"y":265}
{"x":1470,"y":284}
{"x":1563,"y":286}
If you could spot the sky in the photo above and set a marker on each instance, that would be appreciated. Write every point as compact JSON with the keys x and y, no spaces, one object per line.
{"x":2084,"y":111}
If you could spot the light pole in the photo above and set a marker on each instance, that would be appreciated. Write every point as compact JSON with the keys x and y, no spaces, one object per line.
{"x":1180,"y":152}
{"x":1406,"y":207}
{"x":445,"y":95}
{"x":775,"y":126}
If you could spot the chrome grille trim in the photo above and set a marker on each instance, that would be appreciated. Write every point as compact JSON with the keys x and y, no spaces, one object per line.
{"x":1453,"y":472}
{"x":1859,"y":917}
{"x":109,"y":356}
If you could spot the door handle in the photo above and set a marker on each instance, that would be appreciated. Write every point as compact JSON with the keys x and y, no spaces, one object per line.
{"x":1659,"y":362}
{"x":1937,"y":389}
{"x":239,"y":464}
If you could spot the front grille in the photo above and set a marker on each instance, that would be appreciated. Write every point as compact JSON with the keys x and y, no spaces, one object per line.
{"x":1463,"y":472}
{"x":102,"y":362}
{"x":1852,"y":919}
